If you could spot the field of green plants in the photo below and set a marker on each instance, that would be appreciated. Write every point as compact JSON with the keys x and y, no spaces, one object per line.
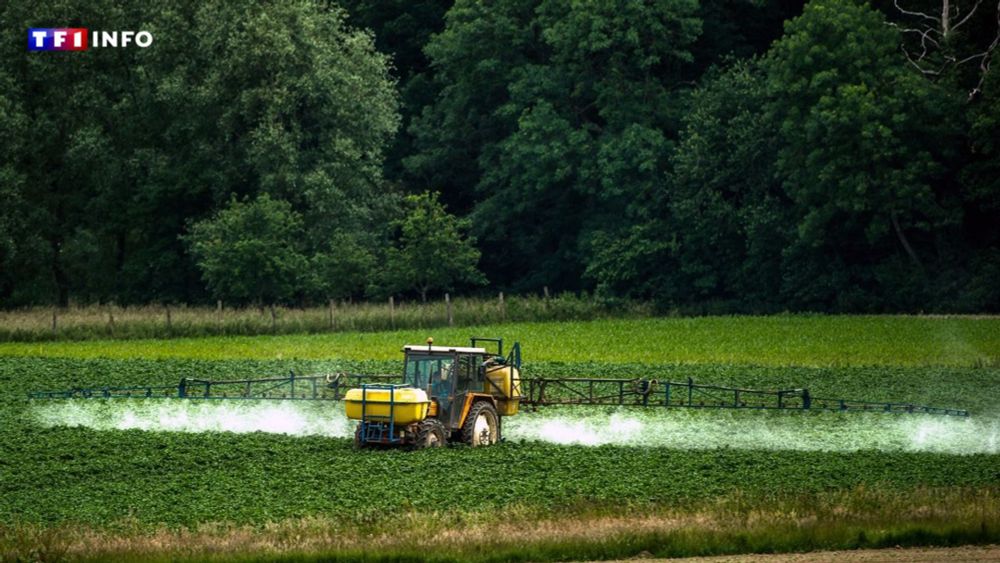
{"x":774,"y":341}
{"x":139,"y":468}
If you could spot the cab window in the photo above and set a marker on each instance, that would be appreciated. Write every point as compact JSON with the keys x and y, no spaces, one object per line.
{"x":469,"y":375}
{"x":430,"y":373}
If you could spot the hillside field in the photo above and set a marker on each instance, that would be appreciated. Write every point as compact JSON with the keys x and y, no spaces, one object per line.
{"x":170,"y":479}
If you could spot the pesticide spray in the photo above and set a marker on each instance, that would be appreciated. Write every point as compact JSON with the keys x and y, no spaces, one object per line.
{"x":680,"y":429}
{"x":276,"y":417}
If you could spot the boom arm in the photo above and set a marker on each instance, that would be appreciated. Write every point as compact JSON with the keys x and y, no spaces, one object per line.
{"x":540,"y":391}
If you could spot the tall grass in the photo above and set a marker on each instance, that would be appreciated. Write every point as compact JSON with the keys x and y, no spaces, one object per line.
{"x":163,"y":321}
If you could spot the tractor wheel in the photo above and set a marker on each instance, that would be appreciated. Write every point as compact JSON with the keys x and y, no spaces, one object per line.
{"x":430,"y":434}
{"x":358,"y":442}
{"x":482,"y":427}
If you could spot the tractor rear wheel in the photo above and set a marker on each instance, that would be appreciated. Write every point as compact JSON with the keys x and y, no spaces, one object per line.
{"x":430,"y":434}
{"x":482,"y":427}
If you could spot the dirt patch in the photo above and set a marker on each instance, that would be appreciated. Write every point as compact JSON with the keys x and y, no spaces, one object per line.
{"x":907,"y":555}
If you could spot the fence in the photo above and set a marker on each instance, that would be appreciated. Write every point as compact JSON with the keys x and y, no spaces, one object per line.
{"x":166,"y":321}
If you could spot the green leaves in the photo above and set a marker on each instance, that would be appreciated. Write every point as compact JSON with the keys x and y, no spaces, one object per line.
{"x":821,"y":176}
{"x":565,"y":110}
{"x":81,"y":475}
{"x":283,"y":99}
{"x":251,"y":252}
{"x":432,"y":252}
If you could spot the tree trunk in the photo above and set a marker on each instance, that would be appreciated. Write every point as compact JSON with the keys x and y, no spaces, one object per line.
{"x":904,"y":241}
{"x":945,"y":24}
{"x":119,"y":262}
{"x":423,"y":294}
{"x":59,"y":274}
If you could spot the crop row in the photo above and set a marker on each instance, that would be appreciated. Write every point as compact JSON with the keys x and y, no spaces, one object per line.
{"x":74,"y":474}
{"x":775,"y":341}
{"x":60,"y":474}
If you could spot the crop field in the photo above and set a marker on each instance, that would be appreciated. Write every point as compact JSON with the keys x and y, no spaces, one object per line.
{"x":178,"y":479}
{"x":774,"y":341}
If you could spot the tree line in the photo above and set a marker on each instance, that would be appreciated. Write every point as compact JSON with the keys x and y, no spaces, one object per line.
{"x":710,"y":155}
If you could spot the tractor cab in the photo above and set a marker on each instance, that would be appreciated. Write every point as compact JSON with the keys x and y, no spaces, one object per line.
{"x":463,"y":393}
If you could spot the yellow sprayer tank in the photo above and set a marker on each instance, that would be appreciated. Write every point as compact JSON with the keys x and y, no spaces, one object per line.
{"x":507,"y":380}
{"x":408,"y":404}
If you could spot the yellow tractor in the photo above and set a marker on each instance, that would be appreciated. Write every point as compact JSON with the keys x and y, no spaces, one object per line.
{"x":448,"y":394}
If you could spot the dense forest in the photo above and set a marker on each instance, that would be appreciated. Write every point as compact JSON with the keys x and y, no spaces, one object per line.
{"x":708,"y":155}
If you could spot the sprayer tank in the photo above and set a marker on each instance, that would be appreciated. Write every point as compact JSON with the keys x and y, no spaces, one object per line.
{"x":405,"y":405}
{"x":504,"y":381}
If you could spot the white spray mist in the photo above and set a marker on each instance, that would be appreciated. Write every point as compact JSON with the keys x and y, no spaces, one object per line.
{"x":675,"y":428}
{"x":278,"y":417}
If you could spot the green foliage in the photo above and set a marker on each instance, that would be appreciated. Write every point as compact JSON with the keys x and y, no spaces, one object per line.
{"x":432,"y":251}
{"x":559,"y":114}
{"x":819,"y":177}
{"x":716,"y":228}
{"x":14,"y":252}
{"x":50,"y":477}
{"x":251,"y":252}
{"x":680,"y":151}
{"x":863,"y":153}
{"x":402,"y":28}
{"x":114,"y":480}
{"x":282,"y":99}
{"x":769,"y":341}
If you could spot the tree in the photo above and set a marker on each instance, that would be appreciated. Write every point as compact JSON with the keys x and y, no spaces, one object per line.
{"x":283,"y":99}
{"x":402,"y":28}
{"x":558,"y":113}
{"x":14,"y":249}
{"x":432,"y":251}
{"x":864,"y":154}
{"x":950,"y":39}
{"x":251,"y":252}
{"x":714,"y":229}
{"x":344,"y":269}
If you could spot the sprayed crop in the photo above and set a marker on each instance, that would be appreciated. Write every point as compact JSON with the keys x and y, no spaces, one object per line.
{"x":631,"y":427}
{"x":176,"y":463}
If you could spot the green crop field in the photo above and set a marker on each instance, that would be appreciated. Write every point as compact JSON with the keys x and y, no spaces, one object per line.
{"x":774,"y":341}
{"x":177,"y":479}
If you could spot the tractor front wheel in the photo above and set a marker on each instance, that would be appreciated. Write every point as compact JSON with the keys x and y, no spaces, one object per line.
{"x":482,"y":427}
{"x":358,"y":442}
{"x":430,"y":434}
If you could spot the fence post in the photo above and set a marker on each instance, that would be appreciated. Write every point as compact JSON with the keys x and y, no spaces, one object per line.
{"x":503,"y":308}
{"x":392,"y":312}
{"x":55,"y":323}
{"x":333,"y":321}
{"x":545,"y":291}
{"x":447,"y":304}
{"x":111,"y":316}
{"x":169,"y":324}
{"x":218,"y":311}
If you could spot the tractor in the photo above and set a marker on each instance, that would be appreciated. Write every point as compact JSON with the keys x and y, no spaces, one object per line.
{"x":462,"y":394}
{"x":448,"y":394}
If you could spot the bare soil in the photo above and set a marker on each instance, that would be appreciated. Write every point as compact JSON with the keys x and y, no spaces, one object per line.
{"x":898,"y":555}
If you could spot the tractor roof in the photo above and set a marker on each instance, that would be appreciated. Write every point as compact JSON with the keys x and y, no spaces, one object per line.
{"x":443,"y":349}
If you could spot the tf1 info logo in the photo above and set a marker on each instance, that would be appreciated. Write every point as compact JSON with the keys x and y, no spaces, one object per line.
{"x":76,"y":39}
